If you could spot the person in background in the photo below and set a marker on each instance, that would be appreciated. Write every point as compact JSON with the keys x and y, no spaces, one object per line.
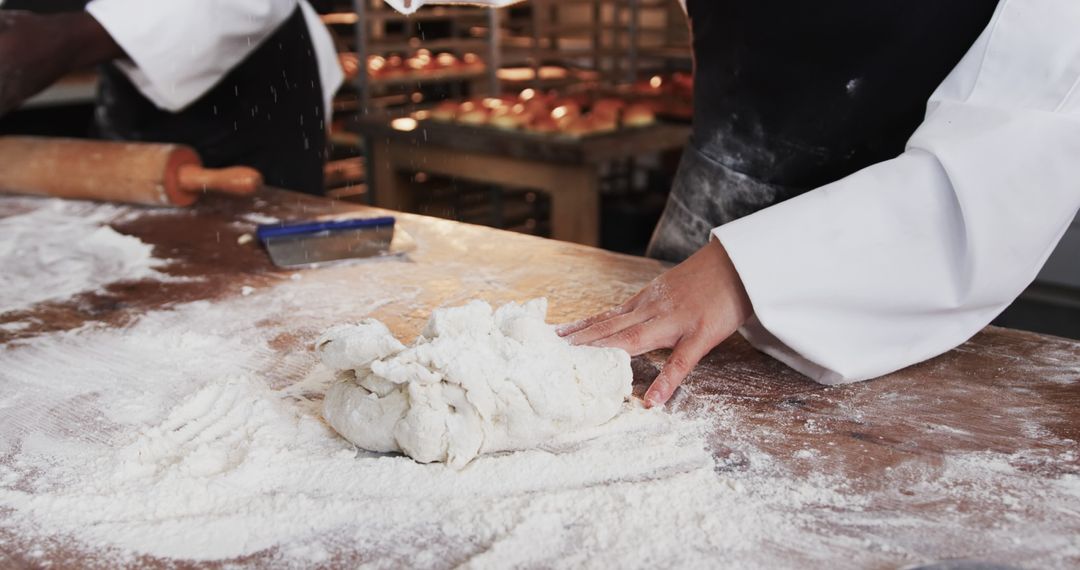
{"x":826,"y":211}
{"x":244,"y":82}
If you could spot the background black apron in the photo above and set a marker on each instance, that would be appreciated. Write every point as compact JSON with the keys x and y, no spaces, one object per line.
{"x":266,"y":113}
{"x":789,"y":96}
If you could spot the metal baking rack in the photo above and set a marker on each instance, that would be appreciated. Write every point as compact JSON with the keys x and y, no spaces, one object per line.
{"x":617,"y":40}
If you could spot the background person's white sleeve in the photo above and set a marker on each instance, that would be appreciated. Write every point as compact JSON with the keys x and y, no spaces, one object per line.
{"x":910,"y":257}
{"x":181,"y":49}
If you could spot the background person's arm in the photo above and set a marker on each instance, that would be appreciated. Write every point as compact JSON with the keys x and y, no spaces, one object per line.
{"x":37,"y":49}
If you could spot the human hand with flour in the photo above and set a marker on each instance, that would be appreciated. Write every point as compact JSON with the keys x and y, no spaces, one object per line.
{"x":691,"y":309}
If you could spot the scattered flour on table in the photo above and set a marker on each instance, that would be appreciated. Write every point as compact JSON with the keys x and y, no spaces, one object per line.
{"x":14,"y":326}
{"x":221,"y":452}
{"x":259,"y":219}
{"x":192,"y":435}
{"x":235,"y":469}
{"x":61,"y":248}
{"x":475,"y":381}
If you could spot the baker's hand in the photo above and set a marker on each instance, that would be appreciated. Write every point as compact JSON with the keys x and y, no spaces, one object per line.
{"x":38,"y":49}
{"x":691,"y":308}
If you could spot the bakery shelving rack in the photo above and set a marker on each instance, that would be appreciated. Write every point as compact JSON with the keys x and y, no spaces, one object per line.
{"x":378,"y":30}
{"x":616,"y":40}
{"x":606,"y":41}
{"x":364,"y":28}
{"x":565,"y":45}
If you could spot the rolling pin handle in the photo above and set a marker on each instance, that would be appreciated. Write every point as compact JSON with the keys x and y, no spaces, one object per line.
{"x":236,"y":180}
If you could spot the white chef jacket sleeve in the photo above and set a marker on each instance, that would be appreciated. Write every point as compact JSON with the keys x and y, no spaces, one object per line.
{"x":180,"y":49}
{"x":909,"y":258}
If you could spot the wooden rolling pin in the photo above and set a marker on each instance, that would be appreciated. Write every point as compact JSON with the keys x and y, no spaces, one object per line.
{"x":139,"y":173}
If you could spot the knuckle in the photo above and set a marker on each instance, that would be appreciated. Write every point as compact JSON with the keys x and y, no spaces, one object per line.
{"x":632,"y":336}
{"x":710,"y":330}
{"x":678,"y":364}
{"x":593,"y":330}
{"x":602,"y":329}
{"x":613,"y":312}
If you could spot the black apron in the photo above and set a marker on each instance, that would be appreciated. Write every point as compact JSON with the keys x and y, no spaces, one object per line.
{"x":267,"y":112}
{"x":789,"y":96}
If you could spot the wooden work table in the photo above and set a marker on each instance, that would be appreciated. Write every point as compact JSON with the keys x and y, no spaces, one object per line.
{"x":1009,"y":393}
{"x":567,"y":169}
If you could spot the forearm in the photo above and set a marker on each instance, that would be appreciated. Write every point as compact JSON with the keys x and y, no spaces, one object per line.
{"x":89,"y":43}
{"x":36,"y":50}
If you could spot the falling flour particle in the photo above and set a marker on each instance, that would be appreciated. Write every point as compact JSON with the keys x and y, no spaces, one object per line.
{"x":475,"y":381}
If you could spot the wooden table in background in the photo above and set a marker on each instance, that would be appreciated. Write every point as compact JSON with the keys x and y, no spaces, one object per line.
{"x":1004,"y":392}
{"x":567,"y":169}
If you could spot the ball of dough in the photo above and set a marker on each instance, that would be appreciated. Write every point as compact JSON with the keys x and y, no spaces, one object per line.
{"x":475,"y":381}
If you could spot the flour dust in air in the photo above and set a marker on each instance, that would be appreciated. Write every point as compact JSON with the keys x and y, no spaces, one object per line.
{"x":476,"y":381}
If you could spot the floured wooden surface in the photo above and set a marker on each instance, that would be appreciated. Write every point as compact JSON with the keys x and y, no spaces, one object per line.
{"x":972,"y":454}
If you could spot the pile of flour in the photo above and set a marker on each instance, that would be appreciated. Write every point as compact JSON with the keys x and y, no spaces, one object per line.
{"x":475,"y":381}
{"x":63,"y":248}
{"x":183,"y":436}
{"x":236,"y":469}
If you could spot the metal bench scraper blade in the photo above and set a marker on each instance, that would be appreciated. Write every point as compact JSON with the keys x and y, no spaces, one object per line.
{"x":298,"y":244}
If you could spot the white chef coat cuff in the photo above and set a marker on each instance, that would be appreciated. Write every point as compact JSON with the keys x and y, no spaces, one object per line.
{"x":760,"y":337}
{"x":747,"y":251}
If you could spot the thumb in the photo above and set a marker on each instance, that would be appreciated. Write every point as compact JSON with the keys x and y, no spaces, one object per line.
{"x":684,"y":357}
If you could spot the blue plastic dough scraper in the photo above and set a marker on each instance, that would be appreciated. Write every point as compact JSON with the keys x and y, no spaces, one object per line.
{"x":321,"y":241}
